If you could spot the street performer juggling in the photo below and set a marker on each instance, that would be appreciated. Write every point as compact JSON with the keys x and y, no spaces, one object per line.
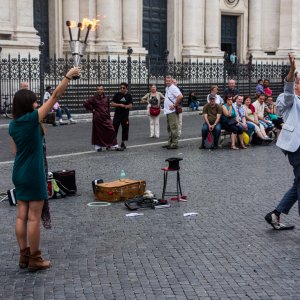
{"x":288,"y":105}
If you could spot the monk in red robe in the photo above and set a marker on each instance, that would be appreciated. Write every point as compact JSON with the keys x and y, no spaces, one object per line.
{"x":103,"y":133}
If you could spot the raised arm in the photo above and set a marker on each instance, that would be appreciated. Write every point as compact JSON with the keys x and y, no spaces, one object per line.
{"x":286,"y":100}
{"x":58,"y":92}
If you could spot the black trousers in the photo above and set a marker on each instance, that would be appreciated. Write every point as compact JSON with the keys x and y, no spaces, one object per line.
{"x":124,"y":122}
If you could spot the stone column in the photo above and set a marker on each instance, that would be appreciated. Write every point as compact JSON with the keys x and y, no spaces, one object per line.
{"x":288,"y":30}
{"x":109,"y":34}
{"x":174,"y":27}
{"x":133,"y":25}
{"x":213,"y":29}
{"x":255,"y":29}
{"x":193,"y":27}
{"x":56,"y":19}
{"x":24,"y":22}
{"x":70,"y":12}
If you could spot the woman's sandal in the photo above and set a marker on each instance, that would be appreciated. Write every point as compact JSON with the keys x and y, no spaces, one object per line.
{"x":234,"y":148}
{"x":243,"y":147}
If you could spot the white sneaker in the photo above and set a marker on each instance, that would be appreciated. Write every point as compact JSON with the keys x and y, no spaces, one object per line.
{"x":72,"y":121}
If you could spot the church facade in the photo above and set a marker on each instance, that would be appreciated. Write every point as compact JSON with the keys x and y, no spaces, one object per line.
{"x":183,"y":29}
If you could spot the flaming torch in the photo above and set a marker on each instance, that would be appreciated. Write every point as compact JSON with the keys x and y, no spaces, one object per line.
{"x":78,"y":47}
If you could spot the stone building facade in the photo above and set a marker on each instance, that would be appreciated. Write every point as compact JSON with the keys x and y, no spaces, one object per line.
{"x":189,"y":29}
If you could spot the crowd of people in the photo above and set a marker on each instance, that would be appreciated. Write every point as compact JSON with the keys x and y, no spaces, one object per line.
{"x":245,"y":118}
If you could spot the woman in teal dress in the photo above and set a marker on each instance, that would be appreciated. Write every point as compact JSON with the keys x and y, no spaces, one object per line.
{"x":29,"y":175}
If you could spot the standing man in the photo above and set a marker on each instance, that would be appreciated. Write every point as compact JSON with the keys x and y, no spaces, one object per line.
{"x":173,"y":98}
{"x":103,"y":132}
{"x":231,"y":89}
{"x":122,"y":101}
{"x":179,"y":111}
{"x":288,"y":105}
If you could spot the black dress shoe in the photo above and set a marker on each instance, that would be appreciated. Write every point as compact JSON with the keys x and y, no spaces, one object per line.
{"x":172,"y":147}
{"x":123,"y":146}
{"x":165,"y":146}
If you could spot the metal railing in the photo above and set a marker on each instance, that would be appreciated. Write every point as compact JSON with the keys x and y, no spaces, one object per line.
{"x":139,"y":72}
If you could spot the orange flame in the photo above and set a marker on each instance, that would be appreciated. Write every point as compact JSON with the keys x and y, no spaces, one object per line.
{"x":86,"y":22}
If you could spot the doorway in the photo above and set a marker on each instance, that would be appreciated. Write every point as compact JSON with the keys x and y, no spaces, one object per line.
{"x":229,"y":34}
{"x":155,"y":27}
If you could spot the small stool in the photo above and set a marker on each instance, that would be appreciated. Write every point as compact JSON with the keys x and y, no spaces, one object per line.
{"x":173,"y":167}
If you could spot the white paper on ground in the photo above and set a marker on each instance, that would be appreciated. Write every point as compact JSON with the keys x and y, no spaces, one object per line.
{"x":190,"y":214}
{"x":134,"y":214}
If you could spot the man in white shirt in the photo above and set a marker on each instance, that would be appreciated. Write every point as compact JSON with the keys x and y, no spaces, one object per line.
{"x":179,"y":113}
{"x":260,"y":106}
{"x":47,"y":94}
{"x":173,"y":98}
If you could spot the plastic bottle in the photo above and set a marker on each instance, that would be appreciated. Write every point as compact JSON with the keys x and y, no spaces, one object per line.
{"x":122,"y":175}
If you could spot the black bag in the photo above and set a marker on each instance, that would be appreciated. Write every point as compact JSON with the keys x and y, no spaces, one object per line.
{"x":231,"y":121}
{"x":94,"y":182}
{"x":50,"y":118}
{"x":66,"y":181}
{"x":12,"y":197}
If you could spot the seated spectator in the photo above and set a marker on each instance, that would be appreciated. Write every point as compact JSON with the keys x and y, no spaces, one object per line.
{"x":214,"y":91}
{"x":241,"y":115}
{"x":47,"y":94}
{"x":271,"y":114}
{"x":58,"y":109}
{"x":211,"y":113}
{"x":251,"y":118}
{"x":259,"y":88}
{"x":59,"y":112}
{"x":259,"y":106}
{"x":229,"y":122}
{"x":231,"y":89}
{"x":192,"y":101}
{"x":267,"y":90}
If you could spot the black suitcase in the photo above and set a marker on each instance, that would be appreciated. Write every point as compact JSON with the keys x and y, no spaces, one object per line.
{"x":66,"y":181}
{"x":12,"y":197}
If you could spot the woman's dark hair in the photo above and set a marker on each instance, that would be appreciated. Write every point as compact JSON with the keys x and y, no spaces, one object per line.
{"x":23,"y":103}
{"x":246,"y":97}
{"x":227,"y":97}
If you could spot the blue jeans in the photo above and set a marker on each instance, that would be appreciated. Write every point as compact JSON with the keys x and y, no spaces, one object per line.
{"x":216,"y":132}
{"x":251,"y":128}
{"x":59,"y":112}
{"x":194,"y":105}
{"x":293,"y":194}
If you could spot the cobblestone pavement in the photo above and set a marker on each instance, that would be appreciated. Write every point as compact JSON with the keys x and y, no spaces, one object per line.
{"x":227,"y":251}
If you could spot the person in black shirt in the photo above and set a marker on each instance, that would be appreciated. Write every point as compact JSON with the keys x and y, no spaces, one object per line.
{"x":122,"y":101}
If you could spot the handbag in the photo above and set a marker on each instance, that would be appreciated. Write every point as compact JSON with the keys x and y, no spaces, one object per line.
{"x":246,"y":138}
{"x":272,"y":117}
{"x":154,"y":111}
{"x":231,"y":121}
{"x":209,"y":141}
{"x":178,"y":109}
{"x":66,"y":181}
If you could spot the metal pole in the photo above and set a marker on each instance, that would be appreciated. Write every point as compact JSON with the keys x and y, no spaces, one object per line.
{"x":42,"y":81}
{"x":129,"y":52}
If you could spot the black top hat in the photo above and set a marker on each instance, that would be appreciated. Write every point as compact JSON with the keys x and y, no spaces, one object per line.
{"x":174,"y":162}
